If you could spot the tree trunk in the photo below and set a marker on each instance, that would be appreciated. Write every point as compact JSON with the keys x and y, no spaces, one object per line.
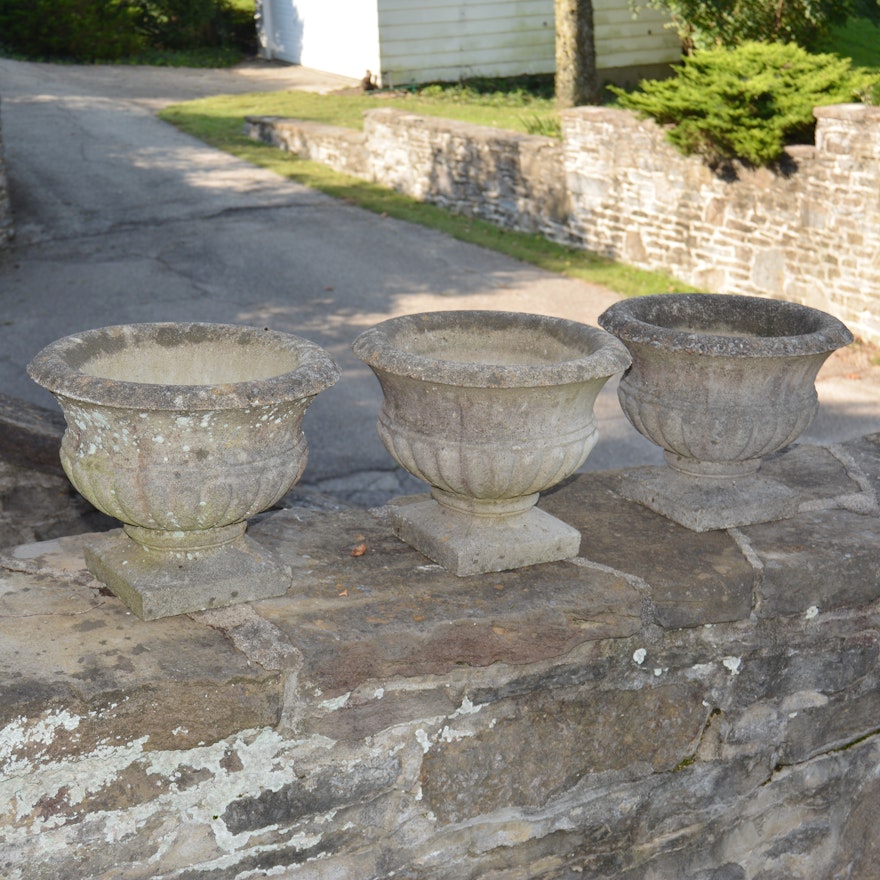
{"x":576,"y":78}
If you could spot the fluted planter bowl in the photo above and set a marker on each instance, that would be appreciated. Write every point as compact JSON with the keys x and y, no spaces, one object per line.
{"x":183,"y":431}
{"x":490,"y":409}
{"x":719,"y":381}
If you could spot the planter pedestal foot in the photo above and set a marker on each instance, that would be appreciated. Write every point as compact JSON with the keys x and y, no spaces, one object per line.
{"x":703,"y":504}
{"x":157,"y":583}
{"x":465,"y":544}
{"x":489,"y":409}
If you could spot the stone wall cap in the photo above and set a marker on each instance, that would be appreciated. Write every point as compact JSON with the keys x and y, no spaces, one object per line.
{"x":282,"y":123}
{"x":725,"y":325}
{"x":853,"y":112}
{"x":441,"y":123}
{"x":572,"y":352}
{"x":616,"y":114}
{"x":304,"y":369}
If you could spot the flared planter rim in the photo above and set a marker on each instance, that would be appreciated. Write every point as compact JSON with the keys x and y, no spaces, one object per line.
{"x":759,"y":327}
{"x":60,"y":368}
{"x":383,"y":348}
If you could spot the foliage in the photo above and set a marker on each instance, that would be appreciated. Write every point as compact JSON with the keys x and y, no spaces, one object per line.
{"x":858,"y":39}
{"x":748,"y":102}
{"x":110,"y":30}
{"x":191,"y":24}
{"x":544,"y":126}
{"x":85,"y":30}
{"x":869,"y":9}
{"x":704,"y":24}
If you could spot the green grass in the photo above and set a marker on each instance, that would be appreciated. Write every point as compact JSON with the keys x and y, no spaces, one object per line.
{"x":518,"y":112}
{"x":858,"y":39}
{"x":218,"y":121}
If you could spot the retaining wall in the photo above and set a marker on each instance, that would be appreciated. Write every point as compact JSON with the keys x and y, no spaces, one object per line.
{"x":808,"y":233}
{"x":666,"y":705}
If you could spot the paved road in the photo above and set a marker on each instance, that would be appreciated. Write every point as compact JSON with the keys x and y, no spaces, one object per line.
{"x":122,"y":218}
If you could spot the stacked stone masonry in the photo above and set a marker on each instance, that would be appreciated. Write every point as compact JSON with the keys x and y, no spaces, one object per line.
{"x":667,"y":704}
{"x":807,"y":231}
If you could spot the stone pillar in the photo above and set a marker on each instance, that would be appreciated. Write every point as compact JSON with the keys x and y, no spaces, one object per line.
{"x":849,"y":130}
{"x":848,"y":173}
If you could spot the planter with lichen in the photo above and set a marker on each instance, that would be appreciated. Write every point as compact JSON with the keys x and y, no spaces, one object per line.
{"x":719,"y":382}
{"x":490,"y":409}
{"x":182,"y":432}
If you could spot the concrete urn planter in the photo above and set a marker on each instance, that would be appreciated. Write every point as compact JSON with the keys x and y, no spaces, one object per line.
{"x":719,"y":382}
{"x":182,"y":432}
{"x":490,"y":409}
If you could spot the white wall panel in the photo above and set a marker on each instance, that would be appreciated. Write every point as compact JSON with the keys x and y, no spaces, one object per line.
{"x":623,"y":40}
{"x":280,"y":34}
{"x":422,"y":40}
{"x":449,"y":39}
{"x":339,"y":36}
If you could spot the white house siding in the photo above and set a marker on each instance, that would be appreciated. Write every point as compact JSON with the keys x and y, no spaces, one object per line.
{"x":278,"y":30}
{"x":423,"y":40}
{"x":625,"y":42}
{"x":339,"y":36}
{"x":406,"y":41}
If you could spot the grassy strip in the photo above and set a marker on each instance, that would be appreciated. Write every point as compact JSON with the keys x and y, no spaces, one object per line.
{"x":218,"y":122}
{"x":521,"y":113}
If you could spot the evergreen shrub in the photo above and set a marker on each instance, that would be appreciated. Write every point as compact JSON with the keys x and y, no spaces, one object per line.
{"x":747,"y":103}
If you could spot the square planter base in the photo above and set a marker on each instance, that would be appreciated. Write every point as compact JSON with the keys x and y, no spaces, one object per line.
{"x":702,"y":504}
{"x":155,"y":583}
{"x":466,"y":544}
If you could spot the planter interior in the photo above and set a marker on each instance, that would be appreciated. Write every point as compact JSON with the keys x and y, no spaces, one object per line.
{"x":720,"y":382}
{"x":182,"y":432}
{"x":490,"y":409}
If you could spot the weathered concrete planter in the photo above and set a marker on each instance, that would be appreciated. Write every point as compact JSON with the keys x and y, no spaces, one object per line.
{"x":490,"y":409}
{"x":183,"y":431}
{"x":719,"y":382}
